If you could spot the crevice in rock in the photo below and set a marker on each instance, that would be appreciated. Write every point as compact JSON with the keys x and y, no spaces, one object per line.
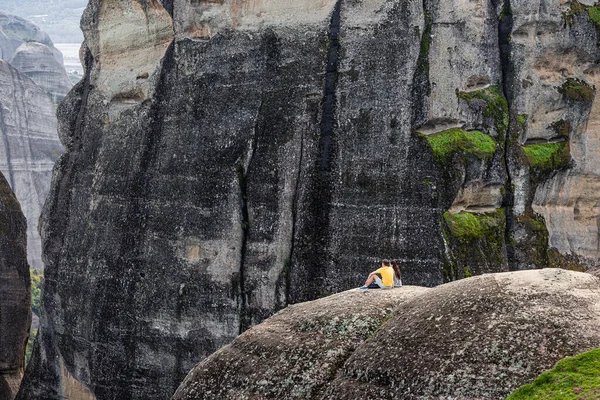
{"x":421,"y":85}
{"x":314,"y":238}
{"x":328,"y":122}
{"x":138,"y":189}
{"x":505,"y":26}
{"x":242,"y":169}
{"x":288,"y":261}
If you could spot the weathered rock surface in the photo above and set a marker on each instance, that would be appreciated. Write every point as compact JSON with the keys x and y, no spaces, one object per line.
{"x":554,"y":102}
{"x":15,"y":295}
{"x":14,"y":31}
{"x":227,"y":158}
{"x":479,"y":338}
{"x":37,"y":61}
{"x":29,"y":145}
{"x":299,"y":350}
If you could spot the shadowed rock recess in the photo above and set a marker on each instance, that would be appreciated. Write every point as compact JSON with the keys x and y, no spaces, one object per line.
{"x":479,"y":338}
{"x":228,"y":158}
{"x":15,"y":295}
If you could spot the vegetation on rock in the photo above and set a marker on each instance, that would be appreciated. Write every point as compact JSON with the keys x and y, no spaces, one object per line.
{"x":594,"y":14}
{"x":572,"y":378}
{"x":36,"y":291}
{"x":547,"y":156}
{"x":496,"y":105}
{"x":466,"y":226}
{"x":446,"y":143}
{"x":476,"y":243}
{"x":577,"y":90}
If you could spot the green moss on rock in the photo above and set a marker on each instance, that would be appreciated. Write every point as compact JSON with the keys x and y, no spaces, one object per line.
{"x":466,"y":226}
{"x":446,"y":143}
{"x":572,"y":378}
{"x":547,"y":156}
{"x":476,"y":244}
{"x":577,"y":90}
{"x":496,"y":105}
{"x":594,"y":14}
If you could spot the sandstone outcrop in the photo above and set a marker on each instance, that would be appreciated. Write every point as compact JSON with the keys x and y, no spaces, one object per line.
{"x":15,"y":295}
{"x":29,"y":145}
{"x":37,"y":61}
{"x":479,"y":338}
{"x":227,"y":158}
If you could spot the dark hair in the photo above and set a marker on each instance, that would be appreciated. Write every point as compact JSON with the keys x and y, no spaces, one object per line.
{"x":396,"y":269}
{"x":385,"y":261}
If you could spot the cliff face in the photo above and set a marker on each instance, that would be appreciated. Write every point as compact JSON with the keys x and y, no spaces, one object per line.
{"x":15,"y":295}
{"x":37,"y":61}
{"x":29,"y":145}
{"x":228,"y":158}
{"x":479,"y":338}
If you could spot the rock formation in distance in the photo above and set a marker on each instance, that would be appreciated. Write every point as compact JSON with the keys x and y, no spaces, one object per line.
{"x":37,"y":61}
{"x":29,"y":145}
{"x":15,"y":294}
{"x":14,"y":31}
{"x":479,"y":338}
{"x":227,"y":158}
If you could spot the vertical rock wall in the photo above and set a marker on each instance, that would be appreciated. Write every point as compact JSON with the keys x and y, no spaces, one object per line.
{"x":227,"y":158}
{"x":15,"y":294}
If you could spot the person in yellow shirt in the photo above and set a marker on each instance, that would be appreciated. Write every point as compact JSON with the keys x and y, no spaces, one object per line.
{"x":383,"y":278}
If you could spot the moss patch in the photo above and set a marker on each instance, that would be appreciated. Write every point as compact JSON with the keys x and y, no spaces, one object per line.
{"x":577,"y":90}
{"x":547,"y":156}
{"x":569,"y":16}
{"x":496,"y":106}
{"x":522,"y":119}
{"x":572,"y":378}
{"x":446,"y":143}
{"x":594,"y":14}
{"x":476,"y":244}
{"x":466,"y":226}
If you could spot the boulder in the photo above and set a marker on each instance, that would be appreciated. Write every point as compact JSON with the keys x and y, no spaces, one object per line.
{"x":478,"y":338}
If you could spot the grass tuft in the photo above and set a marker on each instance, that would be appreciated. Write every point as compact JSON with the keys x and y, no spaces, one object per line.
{"x":573,"y":378}
{"x":547,"y":156}
{"x":446,"y":143}
{"x":466,"y":226}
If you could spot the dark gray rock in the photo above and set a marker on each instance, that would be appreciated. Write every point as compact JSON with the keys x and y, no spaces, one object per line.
{"x":15,"y":294}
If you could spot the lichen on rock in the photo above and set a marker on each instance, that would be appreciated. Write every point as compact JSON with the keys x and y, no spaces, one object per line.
{"x":481,"y":337}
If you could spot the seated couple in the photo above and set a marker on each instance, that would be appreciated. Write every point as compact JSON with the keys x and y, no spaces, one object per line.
{"x":386,"y":277}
